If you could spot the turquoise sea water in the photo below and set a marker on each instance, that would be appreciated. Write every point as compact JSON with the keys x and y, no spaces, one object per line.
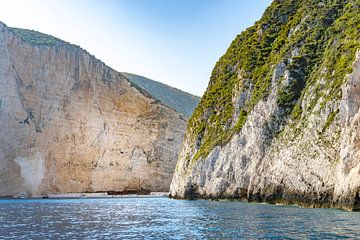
{"x":162,"y":218}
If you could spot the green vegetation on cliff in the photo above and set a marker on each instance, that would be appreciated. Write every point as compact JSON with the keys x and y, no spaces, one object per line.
{"x":181,"y":101}
{"x":38,"y":38}
{"x":313,"y":39}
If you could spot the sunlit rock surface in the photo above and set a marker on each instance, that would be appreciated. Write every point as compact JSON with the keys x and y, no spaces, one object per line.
{"x":69,"y":124}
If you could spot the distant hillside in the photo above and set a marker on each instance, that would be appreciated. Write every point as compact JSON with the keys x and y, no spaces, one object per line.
{"x":181,"y":101}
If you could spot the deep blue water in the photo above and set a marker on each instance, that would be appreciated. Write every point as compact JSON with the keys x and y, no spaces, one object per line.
{"x":162,"y":218}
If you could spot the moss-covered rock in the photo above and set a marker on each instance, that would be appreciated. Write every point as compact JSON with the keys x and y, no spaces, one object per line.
{"x":279,"y":121}
{"x":308,"y":35}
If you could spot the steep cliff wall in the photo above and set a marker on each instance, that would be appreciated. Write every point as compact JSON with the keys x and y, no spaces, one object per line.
{"x":69,"y":123}
{"x":279,"y":119}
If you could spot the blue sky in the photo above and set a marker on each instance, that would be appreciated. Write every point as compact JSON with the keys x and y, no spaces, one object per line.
{"x":176,"y":42}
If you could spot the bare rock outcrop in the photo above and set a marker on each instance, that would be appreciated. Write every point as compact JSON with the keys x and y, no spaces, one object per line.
{"x":69,"y":123}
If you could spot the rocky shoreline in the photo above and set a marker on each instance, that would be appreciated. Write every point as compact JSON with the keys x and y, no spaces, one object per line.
{"x":346,"y":206}
{"x":87,"y":195}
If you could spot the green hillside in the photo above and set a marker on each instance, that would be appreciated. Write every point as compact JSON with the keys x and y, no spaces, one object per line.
{"x":307,"y":36}
{"x":181,"y":101}
{"x":38,"y":38}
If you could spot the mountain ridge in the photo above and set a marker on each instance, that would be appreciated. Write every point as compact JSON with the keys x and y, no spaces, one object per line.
{"x":36,"y":38}
{"x":186,"y":105}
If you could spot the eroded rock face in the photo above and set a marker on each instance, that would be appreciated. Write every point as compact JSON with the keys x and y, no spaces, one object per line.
{"x":291,"y":133}
{"x":69,"y":123}
{"x":291,"y":168}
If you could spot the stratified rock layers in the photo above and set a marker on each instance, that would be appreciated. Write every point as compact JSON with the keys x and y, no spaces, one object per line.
{"x":69,"y":123}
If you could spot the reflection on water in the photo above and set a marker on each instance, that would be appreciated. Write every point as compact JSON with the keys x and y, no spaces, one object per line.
{"x":161,"y":218}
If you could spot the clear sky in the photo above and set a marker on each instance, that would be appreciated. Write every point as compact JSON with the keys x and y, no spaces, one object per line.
{"x":176,"y":42}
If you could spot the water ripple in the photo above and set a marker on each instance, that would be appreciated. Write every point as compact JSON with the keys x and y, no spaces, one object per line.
{"x":161,"y":218}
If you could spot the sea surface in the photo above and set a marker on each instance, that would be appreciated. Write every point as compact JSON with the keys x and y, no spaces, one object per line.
{"x":163,"y":218}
